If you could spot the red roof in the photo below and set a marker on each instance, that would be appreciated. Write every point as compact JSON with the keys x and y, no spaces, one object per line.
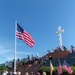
{"x":60,"y":54}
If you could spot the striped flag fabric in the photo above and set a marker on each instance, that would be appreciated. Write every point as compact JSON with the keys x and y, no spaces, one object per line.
{"x":24,"y":35}
{"x":59,"y":67}
{"x":67,"y":68}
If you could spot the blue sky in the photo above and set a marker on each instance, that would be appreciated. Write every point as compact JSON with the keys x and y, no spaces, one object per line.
{"x":40,"y":18}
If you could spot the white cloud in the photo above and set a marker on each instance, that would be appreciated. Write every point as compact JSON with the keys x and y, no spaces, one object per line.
{"x":7,"y":52}
{"x":2,"y":52}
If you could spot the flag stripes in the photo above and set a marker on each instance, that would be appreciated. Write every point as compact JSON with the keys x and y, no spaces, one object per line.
{"x":67,"y":68}
{"x":23,"y":35}
{"x":59,"y":67}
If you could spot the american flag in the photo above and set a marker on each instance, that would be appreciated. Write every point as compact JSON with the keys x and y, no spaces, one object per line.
{"x":59,"y":67}
{"x":23,"y":35}
{"x":67,"y":68}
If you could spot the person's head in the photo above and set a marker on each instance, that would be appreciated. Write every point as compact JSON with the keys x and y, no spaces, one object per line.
{"x":26,"y":73}
{"x":44,"y":73}
{"x":38,"y":73}
{"x":31,"y":73}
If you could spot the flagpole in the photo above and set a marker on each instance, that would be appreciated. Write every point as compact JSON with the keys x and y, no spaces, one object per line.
{"x":15,"y":50}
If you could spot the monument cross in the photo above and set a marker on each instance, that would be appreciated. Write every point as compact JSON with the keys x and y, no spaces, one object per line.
{"x":59,"y":36}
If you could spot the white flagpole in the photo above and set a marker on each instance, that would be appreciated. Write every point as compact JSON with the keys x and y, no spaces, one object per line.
{"x":15,"y":50}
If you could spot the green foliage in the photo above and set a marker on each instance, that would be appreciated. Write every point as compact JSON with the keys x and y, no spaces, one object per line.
{"x":44,"y":69}
{"x":2,"y":69}
{"x":47,"y":70}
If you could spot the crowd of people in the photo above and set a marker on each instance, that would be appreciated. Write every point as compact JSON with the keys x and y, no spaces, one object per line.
{"x":30,"y":61}
{"x":64,"y":48}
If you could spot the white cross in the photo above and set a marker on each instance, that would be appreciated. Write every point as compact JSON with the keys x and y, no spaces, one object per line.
{"x":59,"y":36}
